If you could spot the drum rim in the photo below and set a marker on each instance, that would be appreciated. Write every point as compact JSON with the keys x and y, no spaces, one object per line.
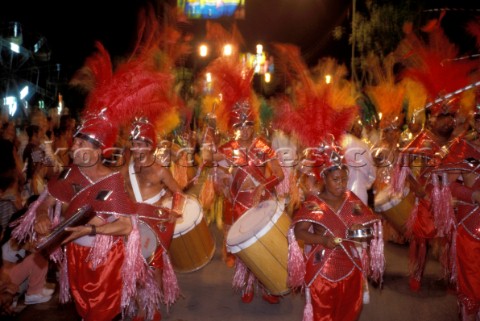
{"x":191,"y":226}
{"x":235,"y":248}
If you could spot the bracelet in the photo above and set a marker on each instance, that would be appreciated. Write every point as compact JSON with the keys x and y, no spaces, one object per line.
{"x":93,"y":232}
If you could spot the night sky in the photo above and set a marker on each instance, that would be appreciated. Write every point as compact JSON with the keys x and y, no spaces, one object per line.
{"x":72,"y":26}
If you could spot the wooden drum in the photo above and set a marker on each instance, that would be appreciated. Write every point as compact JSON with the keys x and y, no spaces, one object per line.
{"x":259,"y":239}
{"x":396,"y":210}
{"x":193,"y":244}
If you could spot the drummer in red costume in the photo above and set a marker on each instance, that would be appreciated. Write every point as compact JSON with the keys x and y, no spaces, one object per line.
{"x":97,"y":255}
{"x":464,"y":174}
{"x":334,"y":272}
{"x":252,"y":163}
{"x":431,"y":213}
{"x":251,"y":158}
{"x":149,"y":181}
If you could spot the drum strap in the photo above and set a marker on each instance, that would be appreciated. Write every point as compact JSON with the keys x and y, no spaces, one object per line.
{"x":136,"y":188}
{"x":134,"y":183}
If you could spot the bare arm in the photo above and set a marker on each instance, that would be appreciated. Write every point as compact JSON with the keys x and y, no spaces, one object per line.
{"x":43,"y":225}
{"x":303,"y":232}
{"x":167,"y":179}
{"x":276,"y":169}
{"x":121,"y":227}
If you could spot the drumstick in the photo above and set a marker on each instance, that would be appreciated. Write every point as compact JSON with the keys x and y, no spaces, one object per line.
{"x":348,"y":240}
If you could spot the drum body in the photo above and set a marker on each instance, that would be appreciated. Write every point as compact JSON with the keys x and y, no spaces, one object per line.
{"x":396,"y":210}
{"x":155,"y":229}
{"x":193,"y":245}
{"x":259,"y":239}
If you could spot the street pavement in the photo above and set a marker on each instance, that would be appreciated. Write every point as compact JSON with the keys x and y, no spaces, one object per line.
{"x":207,"y":295}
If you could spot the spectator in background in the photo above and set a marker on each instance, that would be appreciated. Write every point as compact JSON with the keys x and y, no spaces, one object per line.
{"x":33,"y":157}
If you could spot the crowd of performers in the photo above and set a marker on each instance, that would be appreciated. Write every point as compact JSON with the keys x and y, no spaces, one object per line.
{"x":347,"y":181}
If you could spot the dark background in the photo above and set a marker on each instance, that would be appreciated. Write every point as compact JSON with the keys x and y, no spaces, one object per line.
{"x":71,"y":27}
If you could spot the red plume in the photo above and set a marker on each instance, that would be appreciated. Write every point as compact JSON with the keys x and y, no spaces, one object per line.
{"x":97,"y":70}
{"x":233,"y":82}
{"x":317,"y":109}
{"x":432,"y":63}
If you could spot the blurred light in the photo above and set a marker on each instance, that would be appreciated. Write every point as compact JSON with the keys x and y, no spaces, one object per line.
{"x":11,"y":103}
{"x":24,"y":92}
{"x":268,"y":77}
{"x":203,"y":50}
{"x":208,"y":77}
{"x":328,"y":79}
{"x":380,"y":116}
{"x":227,"y":50}
{"x":14,"y":47}
{"x":259,"y":49}
{"x":60,"y":104}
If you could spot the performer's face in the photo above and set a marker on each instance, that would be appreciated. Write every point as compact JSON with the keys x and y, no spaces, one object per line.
{"x":245,"y":132}
{"x":444,"y":125}
{"x":336,"y":182}
{"x":140,"y":150}
{"x":84,"y":153}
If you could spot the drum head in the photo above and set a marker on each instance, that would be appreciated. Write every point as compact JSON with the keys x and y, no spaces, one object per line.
{"x":192,"y":215}
{"x":253,"y":223}
{"x":148,"y":239}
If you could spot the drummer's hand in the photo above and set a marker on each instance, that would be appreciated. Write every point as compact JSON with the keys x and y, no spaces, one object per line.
{"x":258,"y":193}
{"x":77,"y":231}
{"x":42,"y":224}
{"x":329,"y":242}
{"x":174,"y":216}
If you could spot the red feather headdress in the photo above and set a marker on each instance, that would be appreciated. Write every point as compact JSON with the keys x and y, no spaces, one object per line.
{"x":386,"y":94}
{"x":316,"y":110}
{"x":143,"y":86}
{"x":319,"y":112}
{"x":232,"y":83}
{"x":433,"y":63}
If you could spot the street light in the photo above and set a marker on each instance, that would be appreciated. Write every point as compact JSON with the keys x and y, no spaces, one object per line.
{"x":203,"y":50}
{"x":227,"y":50}
{"x":268,"y":77}
{"x":328,"y":79}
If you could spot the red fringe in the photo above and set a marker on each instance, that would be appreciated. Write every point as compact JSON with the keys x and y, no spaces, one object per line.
{"x":308,"y":310}
{"x":453,"y":259}
{"x":377,"y":258}
{"x":296,"y":262}
{"x":400,"y":174}
{"x":411,"y":220}
{"x":101,"y":246}
{"x":134,"y":266}
{"x":170,"y":288}
{"x":241,"y":270}
{"x":23,"y":227}
{"x":447,"y":220}
{"x":64,"y":295}
{"x":436,"y":198}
